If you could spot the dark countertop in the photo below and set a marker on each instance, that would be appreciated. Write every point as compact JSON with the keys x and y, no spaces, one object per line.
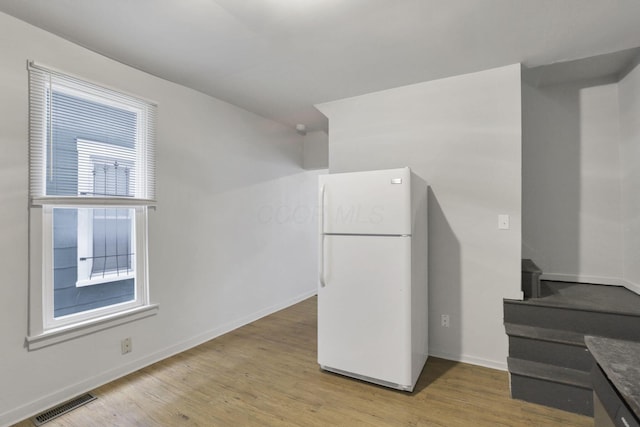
{"x":620,"y":361}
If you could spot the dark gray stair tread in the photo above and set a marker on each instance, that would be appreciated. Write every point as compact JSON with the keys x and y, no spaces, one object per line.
{"x":543,"y":371}
{"x":612,"y":325}
{"x":545,"y":334}
{"x":580,"y":296}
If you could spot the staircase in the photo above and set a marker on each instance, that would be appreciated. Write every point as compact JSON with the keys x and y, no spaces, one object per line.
{"x":548,"y":361}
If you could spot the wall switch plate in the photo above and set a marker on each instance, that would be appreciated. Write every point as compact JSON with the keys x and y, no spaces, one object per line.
{"x":503,"y":222}
{"x":126,"y":345}
{"x":444,"y":320}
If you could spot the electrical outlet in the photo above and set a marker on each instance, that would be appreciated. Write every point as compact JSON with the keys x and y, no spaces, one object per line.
{"x":126,"y":345}
{"x":444,"y":320}
{"x":503,"y":222}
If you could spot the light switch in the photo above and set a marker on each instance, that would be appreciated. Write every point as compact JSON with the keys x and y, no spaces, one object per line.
{"x":503,"y":222}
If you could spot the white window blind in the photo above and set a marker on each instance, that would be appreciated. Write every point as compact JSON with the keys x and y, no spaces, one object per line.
{"x":121,"y":164}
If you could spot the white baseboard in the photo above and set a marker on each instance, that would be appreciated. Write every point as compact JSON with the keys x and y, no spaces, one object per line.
{"x":472,"y":360}
{"x":32,"y":408}
{"x":581,"y":278}
{"x":633,"y":287}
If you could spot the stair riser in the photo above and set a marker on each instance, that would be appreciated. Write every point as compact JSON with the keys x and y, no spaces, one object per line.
{"x":557,"y":354}
{"x":561,"y":396}
{"x":585,"y":322}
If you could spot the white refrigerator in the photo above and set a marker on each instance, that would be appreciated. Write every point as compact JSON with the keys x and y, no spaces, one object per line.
{"x":372,"y":295}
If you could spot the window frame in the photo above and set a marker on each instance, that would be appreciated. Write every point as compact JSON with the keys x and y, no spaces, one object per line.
{"x":45,"y":329}
{"x":141,"y":289}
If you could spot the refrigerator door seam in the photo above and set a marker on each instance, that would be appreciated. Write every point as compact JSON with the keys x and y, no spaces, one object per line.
{"x":367,"y":235}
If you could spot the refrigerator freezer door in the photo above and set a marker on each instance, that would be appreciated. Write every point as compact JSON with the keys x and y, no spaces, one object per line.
{"x":364,"y":310}
{"x":373,"y":202}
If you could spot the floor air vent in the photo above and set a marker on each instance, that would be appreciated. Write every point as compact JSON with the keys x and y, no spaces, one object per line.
{"x":62,"y":409}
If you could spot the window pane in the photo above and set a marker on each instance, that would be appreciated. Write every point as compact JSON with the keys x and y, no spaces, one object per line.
{"x":93,"y":260}
{"x":73,"y":118}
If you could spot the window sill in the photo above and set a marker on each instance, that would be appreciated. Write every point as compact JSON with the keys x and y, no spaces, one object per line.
{"x":58,"y":335}
{"x":90,"y":201}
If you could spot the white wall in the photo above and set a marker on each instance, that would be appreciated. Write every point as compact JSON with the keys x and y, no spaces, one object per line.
{"x":463,"y":136}
{"x":630,"y":158}
{"x":571,"y":191}
{"x":232,"y":239}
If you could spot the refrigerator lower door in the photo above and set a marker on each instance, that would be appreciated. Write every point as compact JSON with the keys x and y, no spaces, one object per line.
{"x":364,"y":309}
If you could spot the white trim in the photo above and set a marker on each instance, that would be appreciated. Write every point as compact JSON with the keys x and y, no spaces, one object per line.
{"x":472,"y":360}
{"x":64,"y":74}
{"x":36,"y":270}
{"x":91,"y":201}
{"x":65,"y":333}
{"x":34,"y":407}
{"x":581,"y":278}
{"x":41,"y":320}
{"x":80,"y":88}
{"x":515,"y":295}
{"x":633,"y":287}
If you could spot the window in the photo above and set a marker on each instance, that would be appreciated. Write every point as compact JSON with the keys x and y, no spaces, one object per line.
{"x":91,"y":185}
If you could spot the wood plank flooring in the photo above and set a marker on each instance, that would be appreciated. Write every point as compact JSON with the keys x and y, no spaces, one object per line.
{"x":266,"y":374}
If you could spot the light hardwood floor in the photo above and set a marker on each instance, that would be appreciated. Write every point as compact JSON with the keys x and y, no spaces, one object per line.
{"x":266,"y":374}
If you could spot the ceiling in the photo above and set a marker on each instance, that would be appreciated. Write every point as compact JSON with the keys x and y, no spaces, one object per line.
{"x":278,"y":58}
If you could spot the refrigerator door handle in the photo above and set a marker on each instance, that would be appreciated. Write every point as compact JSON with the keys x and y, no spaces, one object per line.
{"x":322,"y":282}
